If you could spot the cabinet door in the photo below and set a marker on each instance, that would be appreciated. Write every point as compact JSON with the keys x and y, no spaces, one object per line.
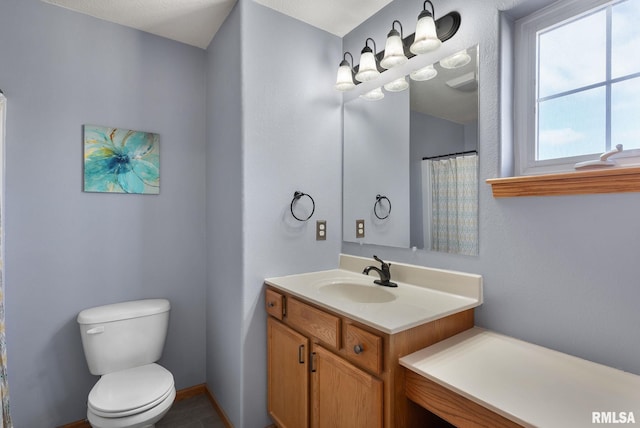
{"x":343,"y":396}
{"x":288,"y":376}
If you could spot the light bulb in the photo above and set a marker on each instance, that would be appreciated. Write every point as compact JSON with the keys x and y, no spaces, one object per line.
{"x":398,"y":85}
{"x":426,"y":38}
{"x":373,"y":95}
{"x":344,"y":80}
{"x":368,"y":69}
{"x":424,"y":73}
{"x":457,"y":60}
{"x":394,"y":49}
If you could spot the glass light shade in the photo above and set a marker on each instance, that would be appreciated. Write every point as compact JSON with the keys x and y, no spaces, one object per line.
{"x":368,"y":69}
{"x":424,"y":73}
{"x":393,"y":51}
{"x":426,"y":38}
{"x":344,"y":81}
{"x":456,"y":60}
{"x":373,"y":95}
{"x":398,"y":85}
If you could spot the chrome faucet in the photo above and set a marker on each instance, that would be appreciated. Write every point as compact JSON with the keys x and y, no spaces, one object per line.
{"x":383,"y":271}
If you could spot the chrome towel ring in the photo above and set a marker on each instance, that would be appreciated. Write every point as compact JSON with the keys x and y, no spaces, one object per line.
{"x":379,"y":199}
{"x":297,"y":195}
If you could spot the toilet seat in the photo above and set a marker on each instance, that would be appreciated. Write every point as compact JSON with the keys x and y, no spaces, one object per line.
{"x":131,"y":391}
{"x":145,"y":419}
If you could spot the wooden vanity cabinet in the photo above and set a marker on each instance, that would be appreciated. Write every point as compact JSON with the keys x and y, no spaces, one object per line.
{"x":288,"y":368}
{"x":327,"y":370}
{"x":343,"y":395}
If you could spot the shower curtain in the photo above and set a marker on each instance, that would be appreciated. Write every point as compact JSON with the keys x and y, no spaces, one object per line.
{"x":5,"y":418}
{"x":453,"y":205}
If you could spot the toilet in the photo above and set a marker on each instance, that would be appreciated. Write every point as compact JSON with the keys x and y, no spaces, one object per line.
{"x":122,"y":343}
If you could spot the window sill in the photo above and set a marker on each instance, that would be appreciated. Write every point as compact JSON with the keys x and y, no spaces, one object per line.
{"x":614,"y":180}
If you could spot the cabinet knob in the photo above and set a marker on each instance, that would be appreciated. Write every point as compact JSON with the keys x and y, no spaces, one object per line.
{"x":358,"y":349}
{"x":271,"y":304}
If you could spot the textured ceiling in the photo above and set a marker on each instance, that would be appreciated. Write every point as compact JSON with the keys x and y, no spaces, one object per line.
{"x":195,"y":22}
{"x":337,"y":17}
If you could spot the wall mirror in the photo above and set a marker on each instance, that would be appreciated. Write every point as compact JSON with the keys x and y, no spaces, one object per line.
{"x":410,"y":162}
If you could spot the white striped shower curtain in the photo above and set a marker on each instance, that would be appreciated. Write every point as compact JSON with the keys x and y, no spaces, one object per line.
{"x":451,"y":204}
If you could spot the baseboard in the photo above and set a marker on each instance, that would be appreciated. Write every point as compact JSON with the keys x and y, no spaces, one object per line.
{"x":192,"y":391}
{"x":223,"y":416}
{"x":78,"y":424}
{"x":182,"y":394}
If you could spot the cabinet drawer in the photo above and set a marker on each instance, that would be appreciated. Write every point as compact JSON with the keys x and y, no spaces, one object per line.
{"x":364,"y":348}
{"x":314,"y":322}
{"x":274,"y":303}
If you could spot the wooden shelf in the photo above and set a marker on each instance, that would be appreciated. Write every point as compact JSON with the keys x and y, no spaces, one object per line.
{"x":614,"y":180}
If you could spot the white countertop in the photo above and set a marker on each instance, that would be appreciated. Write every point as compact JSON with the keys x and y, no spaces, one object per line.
{"x":526,"y":383}
{"x":407,"y":306}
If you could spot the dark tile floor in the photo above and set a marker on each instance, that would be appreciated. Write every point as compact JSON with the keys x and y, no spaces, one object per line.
{"x":194,"y":412}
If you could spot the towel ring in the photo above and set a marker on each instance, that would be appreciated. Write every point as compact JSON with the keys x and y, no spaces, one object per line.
{"x":379,"y":199}
{"x":297,"y":195}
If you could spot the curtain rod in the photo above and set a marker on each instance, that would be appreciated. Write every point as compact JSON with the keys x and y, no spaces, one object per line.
{"x":451,"y":154}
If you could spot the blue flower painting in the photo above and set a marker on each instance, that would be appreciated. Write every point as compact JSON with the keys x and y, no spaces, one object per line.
{"x":121,"y":161}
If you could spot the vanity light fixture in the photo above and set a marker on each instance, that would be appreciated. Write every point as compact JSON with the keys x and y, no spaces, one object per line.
{"x":394,"y":48}
{"x":373,"y":95}
{"x":424,"y":73}
{"x":429,"y":35}
{"x":344,"y":81}
{"x":398,"y":85}
{"x":368,"y":63}
{"x":426,"y":38}
{"x":457,"y":60}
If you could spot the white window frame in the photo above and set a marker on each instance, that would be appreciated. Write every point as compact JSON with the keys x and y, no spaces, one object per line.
{"x":525,"y":118}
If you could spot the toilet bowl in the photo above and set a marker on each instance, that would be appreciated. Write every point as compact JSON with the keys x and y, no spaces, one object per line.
{"x":132,"y":398}
{"x":122,"y":343}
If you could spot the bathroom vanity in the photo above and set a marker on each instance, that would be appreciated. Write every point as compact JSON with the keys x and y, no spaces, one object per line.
{"x":483,"y":379}
{"x":335,"y":339}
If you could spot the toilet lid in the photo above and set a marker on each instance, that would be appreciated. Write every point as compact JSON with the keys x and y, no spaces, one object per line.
{"x":130,"y":391}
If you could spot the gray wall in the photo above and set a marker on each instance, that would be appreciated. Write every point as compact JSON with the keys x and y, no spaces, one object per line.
{"x":274,"y":127}
{"x":236,"y":131}
{"x":292,"y":141}
{"x":67,"y":250}
{"x":555,"y":272}
{"x":225,"y":216}
{"x":375,"y":159}
{"x":558,"y":271}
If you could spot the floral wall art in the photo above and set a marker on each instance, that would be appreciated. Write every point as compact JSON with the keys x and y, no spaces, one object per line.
{"x":121,"y":161}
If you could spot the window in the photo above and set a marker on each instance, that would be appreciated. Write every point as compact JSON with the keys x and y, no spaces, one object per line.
{"x":577,"y":84}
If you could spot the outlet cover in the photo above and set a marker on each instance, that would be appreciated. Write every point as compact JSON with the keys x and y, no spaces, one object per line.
{"x":360,"y":228}
{"x":321,"y":230}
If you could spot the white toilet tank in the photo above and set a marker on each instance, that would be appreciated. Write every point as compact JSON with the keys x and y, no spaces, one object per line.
{"x":124,"y":335}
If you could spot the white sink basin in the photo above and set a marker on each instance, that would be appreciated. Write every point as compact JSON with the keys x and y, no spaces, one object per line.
{"x":359,"y":293}
{"x":423,"y":294}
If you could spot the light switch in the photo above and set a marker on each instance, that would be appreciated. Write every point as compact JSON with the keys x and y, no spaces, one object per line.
{"x":360,"y":228}
{"x":321,"y":230}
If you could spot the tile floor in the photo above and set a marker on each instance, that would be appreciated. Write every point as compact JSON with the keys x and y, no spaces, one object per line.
{"x":194,"y":412}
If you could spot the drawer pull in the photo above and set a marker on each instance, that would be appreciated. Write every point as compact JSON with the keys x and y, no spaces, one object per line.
{"x":271,"y":304}
{"x":358,"y":349}
{"x":301,"y":354}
